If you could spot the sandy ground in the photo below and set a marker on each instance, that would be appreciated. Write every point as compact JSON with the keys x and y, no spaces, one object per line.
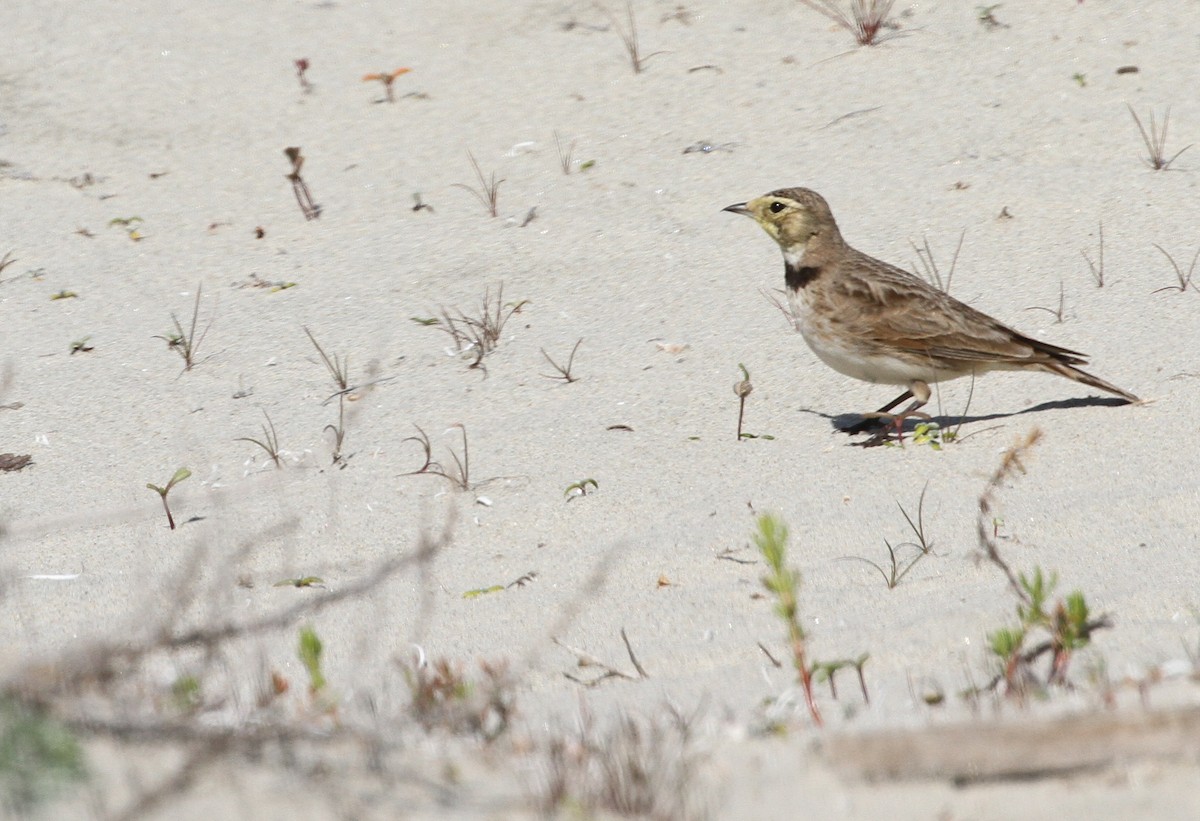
{"x":1016,"y":137}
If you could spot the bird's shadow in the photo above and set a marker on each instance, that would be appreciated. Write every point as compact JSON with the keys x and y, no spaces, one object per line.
{"x":852,"y":423}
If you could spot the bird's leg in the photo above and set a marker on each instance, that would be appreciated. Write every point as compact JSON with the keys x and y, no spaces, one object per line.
{"x":920,"y":393}
{"x":880,"y":418}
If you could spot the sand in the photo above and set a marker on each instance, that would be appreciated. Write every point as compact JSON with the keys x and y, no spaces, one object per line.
{"x":1016,"y":138}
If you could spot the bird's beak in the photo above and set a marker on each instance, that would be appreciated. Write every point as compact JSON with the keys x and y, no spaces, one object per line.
{"x":738,"y":208}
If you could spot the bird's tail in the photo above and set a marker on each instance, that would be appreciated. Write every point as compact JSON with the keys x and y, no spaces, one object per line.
{"x":1071,"y":372}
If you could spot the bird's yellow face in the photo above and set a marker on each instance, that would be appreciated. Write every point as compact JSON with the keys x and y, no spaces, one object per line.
{"x":790,"y":222}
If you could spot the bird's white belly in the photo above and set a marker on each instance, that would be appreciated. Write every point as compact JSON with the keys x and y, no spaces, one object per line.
{"x":848,"y":357}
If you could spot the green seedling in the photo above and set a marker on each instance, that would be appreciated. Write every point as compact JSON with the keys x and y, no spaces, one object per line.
{"x":483,"y":591}
{"x":426,"y":321}
{"x":186,"y":695}
{"x":309,"y":652}
{"x":827,"y":670}
{"x":39,"y":757}
{"x":587,"y":165}
{"x":783,"y":583}
{"x":580,"y":488}
{"x":564,"y":373}
{"x":179,"y":476}
{"x":986,"y":15}
{"x":64,"y":295}
{"x":1066,"y":624}
{"x":269,"y":441}
{"x":129,"y":224}
{"x":1080,"y":79}
{"x":81,"y":346}
{"x":185,"y":342}
{"x":306,"y":581}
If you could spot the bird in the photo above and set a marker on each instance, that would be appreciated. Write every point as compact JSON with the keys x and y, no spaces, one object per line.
{"x":870,"y":320}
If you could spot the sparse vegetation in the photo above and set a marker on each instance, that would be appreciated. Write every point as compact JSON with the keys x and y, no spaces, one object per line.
{"x":339,"y":371}
{"x":566,"y":154}
{"x":896,"y":568}
{"x":783,"y":583}
{"x":269,"y":441}
{"x":478,"y":335}
{"x":184,"y":341}
{"x":1182,"y":280}
{"x":1155,"y":140}
{"x":1066,"y":624}
{"x":629,"y":38}
{"x":488,"y":192}
{"x":1096,"y":267}
{"x":564,"y":371}
{"x":866,"y":20}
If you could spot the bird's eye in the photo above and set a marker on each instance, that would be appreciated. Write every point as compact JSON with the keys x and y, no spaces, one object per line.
{"x":776,"y":207}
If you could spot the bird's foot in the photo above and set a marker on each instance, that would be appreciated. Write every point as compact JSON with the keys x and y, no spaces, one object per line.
{"x":882,"y":426}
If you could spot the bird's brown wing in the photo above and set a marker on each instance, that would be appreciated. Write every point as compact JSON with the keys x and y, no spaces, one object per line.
{"x":892,"y":308}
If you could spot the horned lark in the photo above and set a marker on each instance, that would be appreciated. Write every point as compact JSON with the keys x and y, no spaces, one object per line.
{"x":871,"y":320}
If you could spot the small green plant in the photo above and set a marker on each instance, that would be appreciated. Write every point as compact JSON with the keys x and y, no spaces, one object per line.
{"x":576,"y":489}
{"x":64,"y":294}
{"x":39,"y":757}
{"x":783,"y":583}
{"x":81,"y":346}
{"x":179,"y":476}
{"x":185,"y":342}
{"x":1156,"y":141}
{"x":304,"y":581}
{"x":1066,"y":625}
{"x":186,"y":695}
{"x":827,"y":671}
{"x":1080,"y":79}
{"x":488,"y":192}
{"x":269,"y":441}
{"x":986,"y":15}
{"x":309,"y":652}
{"x":129,"y":225}
{"x":564,"y":373}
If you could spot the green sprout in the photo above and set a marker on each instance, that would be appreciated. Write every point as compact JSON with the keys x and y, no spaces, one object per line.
{"x":179,"y":476}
